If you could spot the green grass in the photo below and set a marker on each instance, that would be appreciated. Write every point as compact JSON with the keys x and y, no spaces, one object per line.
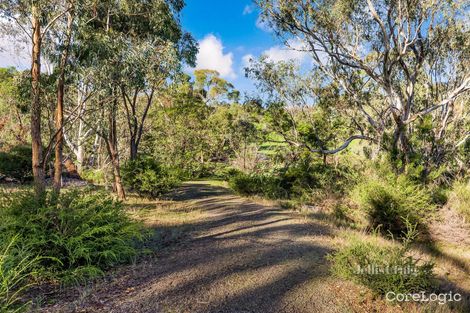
{"x":460,"y":198}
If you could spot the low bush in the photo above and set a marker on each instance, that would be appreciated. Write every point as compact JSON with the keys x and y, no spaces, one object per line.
{"x":307,"y":177}
{"x":95,"y":176}
{"x":459,"y":198}
{"x":391,"y":200}
{"x":84,"y":231}
{"x":254,"y":184}
{"x":147,"y":177}
{"x":301,"y":180}
{"x":17,"y":163}
{"x":382,"y":266}
{"x":222,"y":171}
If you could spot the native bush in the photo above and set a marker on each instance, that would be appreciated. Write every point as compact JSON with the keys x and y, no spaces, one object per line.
{"x":147,"y":177}
{"x":459,"y":198}
{"x":389,"y":200}
{"x":255,"y":184}
{"x":300,"y":180}
{"x":383,"y":266}
{"x":17,"y":163}
{"x":85,"y":232}
{"x":307,"y":177}
{"x":95,"y":176}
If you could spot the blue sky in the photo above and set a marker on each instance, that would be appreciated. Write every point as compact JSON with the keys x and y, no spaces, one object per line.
{"x":228,"y":31}
{"x":229,"y":26}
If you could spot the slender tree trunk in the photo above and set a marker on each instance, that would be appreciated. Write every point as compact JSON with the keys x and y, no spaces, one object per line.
{"x":119,"y":189}
{"x":111,"y":144}
{"x":36,"y":142}
{"x":59,"y":121}
{"x":59,"y":114}
{"x":133,"y":149}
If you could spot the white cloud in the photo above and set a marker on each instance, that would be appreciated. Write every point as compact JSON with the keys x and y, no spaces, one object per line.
{"x":14,"y":53}
{"x":292,"y":52}
{"x":211,"y":56}
{"x":263,"y":25}
{"x":246,"y":59}
{"x":246,"y":62}
{"x":249,"y":8}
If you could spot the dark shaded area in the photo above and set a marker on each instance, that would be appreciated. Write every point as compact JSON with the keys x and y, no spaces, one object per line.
{"x":196,"y":190}
{"x":243,"y":257}
{"x":239,"y":238}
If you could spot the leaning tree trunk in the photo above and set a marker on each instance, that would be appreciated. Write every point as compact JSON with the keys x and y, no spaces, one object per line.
{"x":36,"y":143}
{"x":401,"y":147}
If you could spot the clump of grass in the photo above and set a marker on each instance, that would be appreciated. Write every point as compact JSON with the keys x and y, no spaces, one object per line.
{"x":459,"y":198}
{"x":383,"y":266}
{"x":16,"y":271}
{"x":390,"y":199}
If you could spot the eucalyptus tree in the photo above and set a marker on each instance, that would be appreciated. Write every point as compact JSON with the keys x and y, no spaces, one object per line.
{"x":303,"y":109}
{"x":132,"y":47}
{"x":63,"y":41}
{"x":146,"y":71}
{"x":400,"y":63}
{"x":35,"y":19}
{"x":212,"y":88}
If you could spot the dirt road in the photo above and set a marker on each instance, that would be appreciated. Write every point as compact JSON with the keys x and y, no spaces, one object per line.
{"x":242,"y":256}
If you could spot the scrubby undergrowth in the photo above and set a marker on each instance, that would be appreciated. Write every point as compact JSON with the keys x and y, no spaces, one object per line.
{"x":68,"y":240}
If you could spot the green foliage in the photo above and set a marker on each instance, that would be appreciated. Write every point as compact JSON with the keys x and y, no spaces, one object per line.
{"x":147,"y":177}
{"x":17,"y":163}
{"x":383,"y":267}
{"x":85,"y":232}
{"x":212,"y":88}
{"x":308,"y":176}
{"x":16,"y":269}
{"x":303,"y":180}
{"x":262,"y":185}
{"x":459,"y":198}
{"x":390,"y":200}
{"x":95,"y":176}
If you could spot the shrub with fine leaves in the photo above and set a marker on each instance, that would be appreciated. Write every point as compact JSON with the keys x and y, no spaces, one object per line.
{"x":147,"y":177}
{"x":84,"y":231}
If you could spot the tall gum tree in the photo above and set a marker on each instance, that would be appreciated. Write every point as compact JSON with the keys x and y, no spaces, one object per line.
{"x":412,"y":56}
{"x":132,"y":47}
{"x":35,"y":19}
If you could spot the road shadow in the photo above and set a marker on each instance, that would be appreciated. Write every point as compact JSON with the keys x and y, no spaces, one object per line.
{"x":244,"y":257}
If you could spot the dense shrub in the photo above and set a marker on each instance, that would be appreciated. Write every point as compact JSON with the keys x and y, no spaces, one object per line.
{"x":300,"y":180}
{"x":222,"y":171}
{"x":390,"y":201}
{"x":86,"y":232}
{"x":306,"y":177}
{"x":459,"y":198}
{"x":17,"y":163}
{"x":254,"y":184}
{"x":147,"y":177}
{"x":382,"y":266}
